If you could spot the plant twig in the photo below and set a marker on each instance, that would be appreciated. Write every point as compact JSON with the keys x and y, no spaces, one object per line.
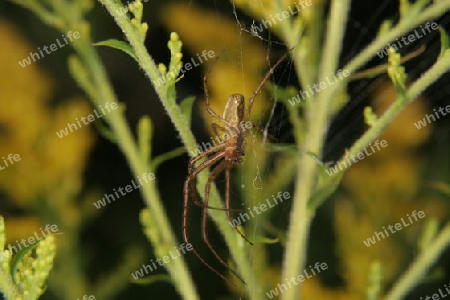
{"x":167,"y":97}
{"x":418,"y":269}
{"x":301,"y":216}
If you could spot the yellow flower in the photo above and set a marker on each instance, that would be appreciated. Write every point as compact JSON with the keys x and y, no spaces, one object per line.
{"x":29,"y":127}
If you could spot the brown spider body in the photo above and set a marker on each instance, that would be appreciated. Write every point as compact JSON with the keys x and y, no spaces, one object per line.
{"x":234,"y":114}
{"x":221,"y":157}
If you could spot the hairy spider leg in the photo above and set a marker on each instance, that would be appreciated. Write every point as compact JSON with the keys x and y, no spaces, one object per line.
{"x":227,"y":208}
{"x":227,"y":202}
{"x":185,"y":215}
{"x":219,"y":168}
{"x":258,"y":89}
{"x":217,"y":126}
{"x":192,"y":172}
{"x":262,"y":131}
{"x":205,"y":87}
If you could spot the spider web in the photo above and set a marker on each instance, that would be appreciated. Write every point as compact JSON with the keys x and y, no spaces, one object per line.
{"x":348,"y":125}
{"x":274,"y":117}
{"x":363,"y":23}
{"x":278,"y":116}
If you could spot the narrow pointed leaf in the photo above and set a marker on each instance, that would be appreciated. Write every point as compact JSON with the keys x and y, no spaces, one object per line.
{"x":121,"y":45}
{"x":18,"y":257}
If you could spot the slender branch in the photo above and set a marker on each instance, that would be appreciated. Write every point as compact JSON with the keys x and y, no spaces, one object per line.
{"x":138,"y":165}
{"x":301,"y":217}
{"x":238,"y":252}
{"x":419,"y":268}
{"x":408,"y":23}
{"x":103,"y":94}
{"x":436,"y":71}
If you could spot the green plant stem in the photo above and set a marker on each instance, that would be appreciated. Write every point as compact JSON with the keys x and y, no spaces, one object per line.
{"x":167,"y":98}
{"x":138,"y":165}
{"x":408,"y":23}
{"x":419,"y":268}
{"x":102,"y":94}
{"x":439,"y":68}
{"x":301,"y":216}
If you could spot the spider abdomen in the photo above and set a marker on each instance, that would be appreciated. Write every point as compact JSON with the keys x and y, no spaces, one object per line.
{"x":234,"y":154}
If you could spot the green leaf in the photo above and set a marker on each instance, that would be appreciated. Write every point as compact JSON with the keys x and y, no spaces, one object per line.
{"x":153,"y":279}
{"x":375,"y":280}
{"x":281,"y":148}
{"x":429,"y":232}
{"x":186,"y":108}
{"x":18,"y":257}
{"x":166,"y":156}
{"x":279,"y":233}
{"x":315,"y":157}
{"x":324,"y":190}
{"x":385,"y":27}
{"x":408,"y":9}
{"x":439,"y":186}
{"x":121,"y":45}
{"x":369,"y":116}
{"x":283,"y":95}
{"x":82,"y":77}
{"x":444,"y":42}
{"x":105,"y":131}
{"x":437,"y":274}
{"x":265,"y":240}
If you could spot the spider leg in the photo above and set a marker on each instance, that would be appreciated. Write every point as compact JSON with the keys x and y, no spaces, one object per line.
{"x":203,"y":154}
{"x":217,"y":126}
{"x":227,"y":202}
{"x":262,"y":131}
{"x":193,"y":172}
{"x":258,"y":89}
{"x":185,"y":233}
{"x":224,"y":164}
{"x":205,"y":88}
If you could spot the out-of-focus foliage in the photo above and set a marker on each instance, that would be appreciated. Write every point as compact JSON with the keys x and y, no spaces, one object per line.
{"x":47,"y":181}
{"x":379,"y":191}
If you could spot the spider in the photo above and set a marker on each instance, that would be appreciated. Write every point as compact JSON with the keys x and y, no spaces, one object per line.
{"x":224,"y":156}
